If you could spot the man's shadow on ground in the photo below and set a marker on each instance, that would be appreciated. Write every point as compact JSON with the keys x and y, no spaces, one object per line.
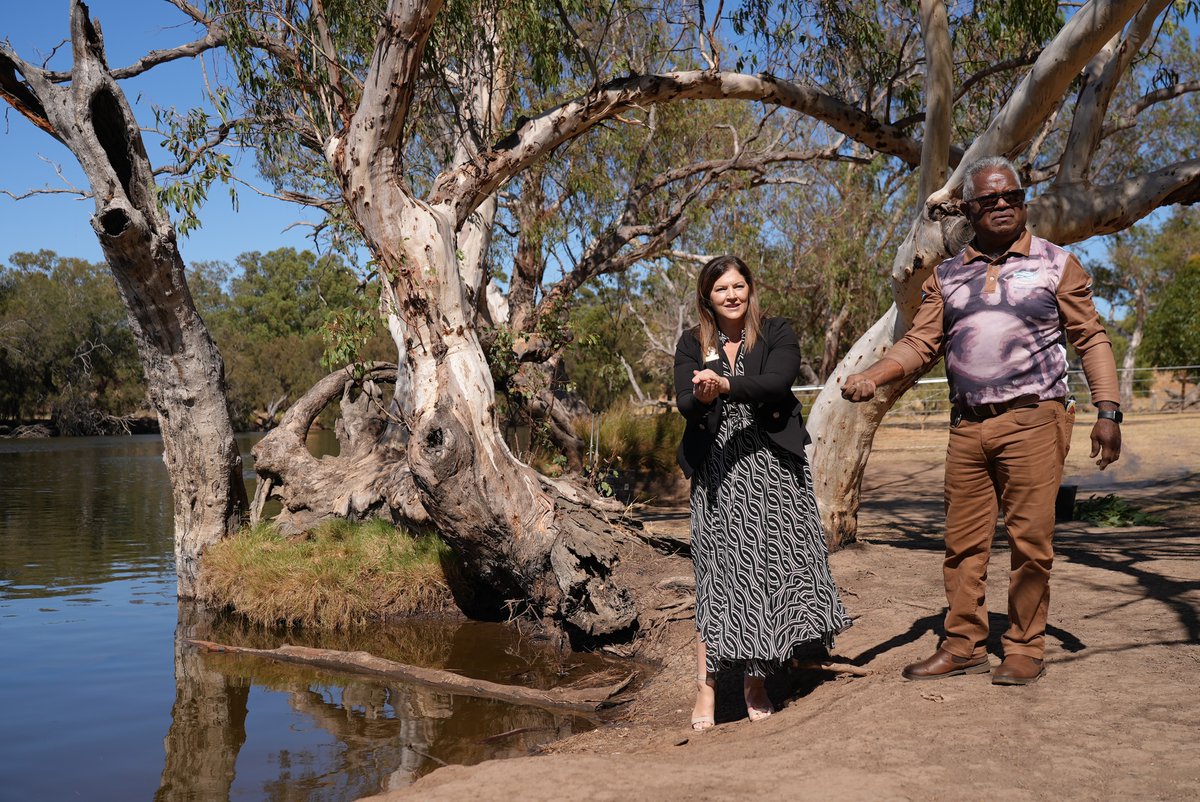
{"x":997,"y":624}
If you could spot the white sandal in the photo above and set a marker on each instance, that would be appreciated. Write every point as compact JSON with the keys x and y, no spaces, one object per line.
{"x":700,"y":723}
{"x":756,"y":713}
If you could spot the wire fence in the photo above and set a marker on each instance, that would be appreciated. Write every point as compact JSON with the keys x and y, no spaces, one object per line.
{"x":1157,"y":389}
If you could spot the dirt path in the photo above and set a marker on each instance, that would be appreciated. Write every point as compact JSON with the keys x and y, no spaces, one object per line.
{"x":1116,"y":717}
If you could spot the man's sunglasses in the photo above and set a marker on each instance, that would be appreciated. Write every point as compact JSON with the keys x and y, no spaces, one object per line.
{"x":985,"y":203}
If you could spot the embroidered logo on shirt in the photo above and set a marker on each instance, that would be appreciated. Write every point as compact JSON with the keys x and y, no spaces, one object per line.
{"x":1024,"y":277}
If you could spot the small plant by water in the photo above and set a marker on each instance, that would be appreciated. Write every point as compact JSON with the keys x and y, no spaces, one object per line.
{"x":339,"y":575}
{"x":634,"y":446}
{"x":1112,"y":510}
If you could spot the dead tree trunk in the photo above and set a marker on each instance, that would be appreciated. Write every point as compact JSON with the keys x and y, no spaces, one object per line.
{"x":369,"y":478}
{"x":185,"y":376}
{"x":576,"y":699}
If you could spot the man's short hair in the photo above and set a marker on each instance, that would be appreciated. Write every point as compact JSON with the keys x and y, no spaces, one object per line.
{"x":983,"y":165}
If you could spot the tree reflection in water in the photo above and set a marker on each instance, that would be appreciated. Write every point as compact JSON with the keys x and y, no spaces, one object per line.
{"x":208,"y":720}
{"x":385,"y":734}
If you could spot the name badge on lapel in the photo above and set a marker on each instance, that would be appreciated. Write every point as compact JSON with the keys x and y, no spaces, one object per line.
{"x":712,"y":355}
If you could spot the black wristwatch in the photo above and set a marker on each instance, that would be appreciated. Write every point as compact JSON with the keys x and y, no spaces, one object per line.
{"x":1114,"y":415}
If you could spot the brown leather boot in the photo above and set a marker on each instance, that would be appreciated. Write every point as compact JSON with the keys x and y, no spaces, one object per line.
{"x":1018,"y":669}
{"x":944,"y":664}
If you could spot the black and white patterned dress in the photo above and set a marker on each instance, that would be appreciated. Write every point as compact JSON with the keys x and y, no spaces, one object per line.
{"x":763,"y":585}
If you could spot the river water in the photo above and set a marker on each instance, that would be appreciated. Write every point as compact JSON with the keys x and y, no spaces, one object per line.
{"x":99,"y":699}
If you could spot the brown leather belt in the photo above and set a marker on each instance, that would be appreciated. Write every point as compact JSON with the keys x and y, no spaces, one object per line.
{"x":985,"y":411}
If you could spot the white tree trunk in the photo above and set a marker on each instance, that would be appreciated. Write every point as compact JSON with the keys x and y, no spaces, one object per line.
{"x":847,"y":430}
{"x":1129,"y":363}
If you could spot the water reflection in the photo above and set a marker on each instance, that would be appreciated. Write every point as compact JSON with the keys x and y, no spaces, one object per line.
{"x":75,"y":512}
{"x":386,"y":734}
{"x":97,"y":704}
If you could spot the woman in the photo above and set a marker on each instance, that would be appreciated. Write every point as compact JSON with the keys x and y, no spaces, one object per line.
{"x":763,"y":585}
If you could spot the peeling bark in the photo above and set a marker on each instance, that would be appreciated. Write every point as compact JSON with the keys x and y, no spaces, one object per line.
{"x":1100,"y":79}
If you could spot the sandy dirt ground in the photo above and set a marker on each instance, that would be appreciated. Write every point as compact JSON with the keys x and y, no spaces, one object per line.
{"x":1116,"y":717}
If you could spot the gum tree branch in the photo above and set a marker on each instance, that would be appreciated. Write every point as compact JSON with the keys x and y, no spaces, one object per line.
{"x":1100,"y":80}
{"x":939,"y":89}
{"x":375,"y":134}
{"x":1128,"y":118}
{"x":464,"y":188}
{"x":1072,"y":212}
{"x":215,"y":37}
{"x":1038,"y":94}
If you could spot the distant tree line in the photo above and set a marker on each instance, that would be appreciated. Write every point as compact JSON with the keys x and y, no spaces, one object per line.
{"x":67,"y":355}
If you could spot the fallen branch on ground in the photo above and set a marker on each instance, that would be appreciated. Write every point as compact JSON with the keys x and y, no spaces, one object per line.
{"x":830,"y":665}
{"x":577,"y":699}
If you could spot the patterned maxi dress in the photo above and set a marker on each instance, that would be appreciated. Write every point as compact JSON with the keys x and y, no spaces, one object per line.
{"x":763,"y":585}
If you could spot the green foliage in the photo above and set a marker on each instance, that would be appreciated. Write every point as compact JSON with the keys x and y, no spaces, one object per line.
{"x":604,"y":334}
{"x":833,"y":261}
{"x":346,"y":333}
{"x":282,"y":320}
{"x":1172,"y":255}
{"x":66,"y":351}
{"x":288,"y":94}
{"x":1111,"y":510}
{"x":1173,"y":328}
{"x":1143,"y":267}
{"x":286,"y":291}
{"x":190,"y":136}
{"x":638,"y":440}
{"x":502,"y":361}
{"x":634,"y":446}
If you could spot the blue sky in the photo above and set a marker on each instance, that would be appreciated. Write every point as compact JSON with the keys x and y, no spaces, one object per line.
{"x":61,"y":223}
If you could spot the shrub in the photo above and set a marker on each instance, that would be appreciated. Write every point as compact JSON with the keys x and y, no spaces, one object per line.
{"x":634,"y":452}
{"x":1111,"y":510}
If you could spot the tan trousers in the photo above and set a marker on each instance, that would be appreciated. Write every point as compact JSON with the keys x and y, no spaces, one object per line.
{"x":1016,"y":457}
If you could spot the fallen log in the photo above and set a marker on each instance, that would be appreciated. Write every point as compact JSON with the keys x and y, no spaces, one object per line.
{"x":832,"y":665}
{"x":573,"y":699}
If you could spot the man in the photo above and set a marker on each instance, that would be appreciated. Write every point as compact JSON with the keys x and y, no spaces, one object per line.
{"x":1001,"y":312}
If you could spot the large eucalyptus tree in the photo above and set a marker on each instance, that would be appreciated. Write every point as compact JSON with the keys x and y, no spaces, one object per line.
{"x":455,"y":100}
{"x":404,"y":119}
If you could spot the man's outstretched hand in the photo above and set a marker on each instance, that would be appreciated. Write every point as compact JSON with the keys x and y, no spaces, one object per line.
{"x":1106,"y":441}
{"x":858,"y":387}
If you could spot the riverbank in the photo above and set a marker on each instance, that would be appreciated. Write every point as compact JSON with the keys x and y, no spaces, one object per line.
{"x":1114,"y":718}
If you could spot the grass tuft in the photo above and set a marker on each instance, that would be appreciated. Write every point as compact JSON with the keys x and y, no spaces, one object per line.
{"x":340,"y":575}
{"x":635,"y":452}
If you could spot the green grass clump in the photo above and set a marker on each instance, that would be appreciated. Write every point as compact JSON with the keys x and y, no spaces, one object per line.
{"x":340,"y":575}
{"x":1111,"y":510}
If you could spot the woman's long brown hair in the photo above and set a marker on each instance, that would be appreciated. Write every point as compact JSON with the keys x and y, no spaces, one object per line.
{"x":706,"y":332}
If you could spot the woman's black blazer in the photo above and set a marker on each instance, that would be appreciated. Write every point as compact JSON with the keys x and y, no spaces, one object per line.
{"x":769,"y":368}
